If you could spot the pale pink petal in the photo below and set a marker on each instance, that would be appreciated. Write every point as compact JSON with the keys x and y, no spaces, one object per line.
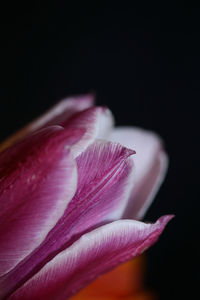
{"x":106,"y":124}
{"x":97,"y":122}
{"x":60,"y":112}
{"x":150,"y":166}
{"x":104,"y":185}
{"x":93,"y":254}
{"x":38,"y":178}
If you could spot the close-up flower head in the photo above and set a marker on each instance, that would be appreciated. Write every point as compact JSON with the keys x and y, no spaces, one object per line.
{"x":73,"y":191}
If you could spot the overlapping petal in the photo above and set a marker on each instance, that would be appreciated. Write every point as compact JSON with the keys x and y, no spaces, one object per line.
{"x":60,"y":112}
{"x":74,"y":112}
{"x":94,"y":253}
{"x":150,"y":166}
{"x":104,"y":184}
{"x":97,"y":122}
{"x":38,"y":179}
{"x":53,"y":235}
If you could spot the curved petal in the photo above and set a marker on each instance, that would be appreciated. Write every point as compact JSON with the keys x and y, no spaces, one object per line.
{"x":106,"y":124}
{"x":38,"y":179}
{"x":60,"y":112}
{"x":150,"y":166}
{"x":104,"y":176}
{"x":97,"y":122}
{"x":93,"y":254}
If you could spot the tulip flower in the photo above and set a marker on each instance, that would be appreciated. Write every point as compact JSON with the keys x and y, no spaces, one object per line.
{"x":72,"y":192}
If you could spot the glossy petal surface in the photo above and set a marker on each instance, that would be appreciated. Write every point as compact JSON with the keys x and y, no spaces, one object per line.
{"x":150,"y":166}
{"x":38,"y":179}
{"x":94,"y":253}
{"x":61,"y":188}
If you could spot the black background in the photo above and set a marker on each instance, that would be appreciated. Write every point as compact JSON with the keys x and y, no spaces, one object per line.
{"x":144,"y":64}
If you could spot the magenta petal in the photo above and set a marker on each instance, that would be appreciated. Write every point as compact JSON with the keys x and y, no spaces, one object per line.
{"x":150,"y":166}
{"x":93,"y":254}
{"x":108,"y":182}
{"x":62,"y":111}
{"x":104,"y":186}
{"x":38,"y":179}
{"x":97,"y":122}
{"x":104,"y":175}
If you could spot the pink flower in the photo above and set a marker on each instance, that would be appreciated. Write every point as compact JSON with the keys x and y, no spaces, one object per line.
{"x":66,"y":189}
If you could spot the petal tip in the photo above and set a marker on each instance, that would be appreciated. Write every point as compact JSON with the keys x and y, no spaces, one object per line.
{"x":165,"y":219}
{"x":162,"y":222}
{"x":131,"y":151}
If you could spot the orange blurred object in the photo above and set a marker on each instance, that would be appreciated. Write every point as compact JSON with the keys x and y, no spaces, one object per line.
{"x":14,"y":138}
{"x":124,"y":282}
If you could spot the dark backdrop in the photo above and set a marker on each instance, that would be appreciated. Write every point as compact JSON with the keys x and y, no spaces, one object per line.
{"x":144,"y":64}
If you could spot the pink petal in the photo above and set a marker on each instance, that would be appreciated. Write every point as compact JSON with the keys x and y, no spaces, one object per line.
{"x":60,"y":112}
{"x":104,"y":183}
{"x":38,"y":179}
{"x":93,"y":254}
{"x":104,"y":176}
{"x":150,"y":166}
{"x":97,"y":122}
